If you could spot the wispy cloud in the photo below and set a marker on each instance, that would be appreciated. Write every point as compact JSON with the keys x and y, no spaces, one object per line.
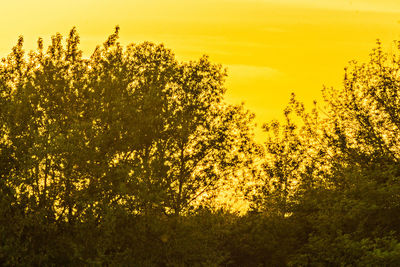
{"x":387,"y":6}
{"x":251,"y":71}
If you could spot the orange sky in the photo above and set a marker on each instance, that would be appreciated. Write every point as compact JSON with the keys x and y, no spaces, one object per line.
{"x":271,"y":48}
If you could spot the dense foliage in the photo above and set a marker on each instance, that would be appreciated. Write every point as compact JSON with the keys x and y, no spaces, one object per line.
{"x":118,"y":159}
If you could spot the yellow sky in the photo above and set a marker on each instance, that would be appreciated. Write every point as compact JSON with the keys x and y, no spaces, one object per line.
{"x":271,"y":48}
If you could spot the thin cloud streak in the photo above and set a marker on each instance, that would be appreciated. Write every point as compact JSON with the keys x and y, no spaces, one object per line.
{"x":381,"y":6}
{"x":246,"y":71}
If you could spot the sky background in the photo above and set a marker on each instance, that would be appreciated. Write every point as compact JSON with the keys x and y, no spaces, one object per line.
{"x":270,"y":48}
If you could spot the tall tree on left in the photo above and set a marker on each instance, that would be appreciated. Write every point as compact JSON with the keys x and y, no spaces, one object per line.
{"x":129,"y":128}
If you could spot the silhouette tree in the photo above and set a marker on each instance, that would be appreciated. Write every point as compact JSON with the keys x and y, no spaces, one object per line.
{"x":89,"y":142}
{"x":126,"y":127}
{"x":334,"y":177}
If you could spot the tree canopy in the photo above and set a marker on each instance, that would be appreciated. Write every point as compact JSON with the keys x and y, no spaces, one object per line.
{"x":118,"y":158}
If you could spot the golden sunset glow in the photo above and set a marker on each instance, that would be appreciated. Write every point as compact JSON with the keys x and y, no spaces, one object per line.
{"x":270,"y":48}
{"x":128,"y":135}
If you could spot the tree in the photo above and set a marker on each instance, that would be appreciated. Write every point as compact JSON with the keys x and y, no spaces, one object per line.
{"x":172,"y":133}
{"x":128,"y":136}
{"x":335,"y":176}
{"x":130,"y":127}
